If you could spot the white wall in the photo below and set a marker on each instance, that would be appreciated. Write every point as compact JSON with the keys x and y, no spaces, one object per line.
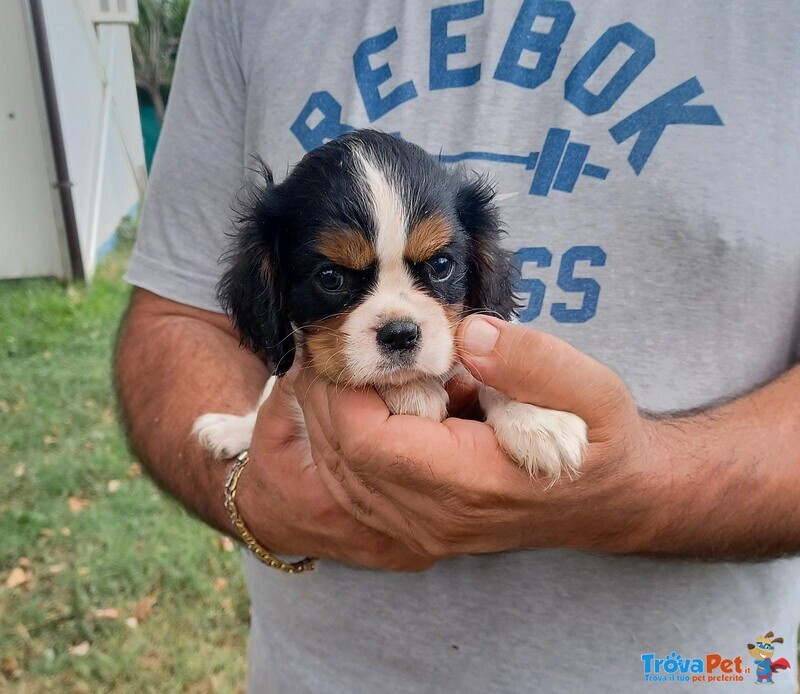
{"x":96,"y":93}
{"x":32,"y":238}
{"x":95,"y":87}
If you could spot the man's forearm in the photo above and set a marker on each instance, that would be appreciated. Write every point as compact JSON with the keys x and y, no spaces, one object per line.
{"x":174,"y":363}
{"x":730,"y":477}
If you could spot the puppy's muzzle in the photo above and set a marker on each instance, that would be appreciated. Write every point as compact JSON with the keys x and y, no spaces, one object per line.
{"x":398,"y":336}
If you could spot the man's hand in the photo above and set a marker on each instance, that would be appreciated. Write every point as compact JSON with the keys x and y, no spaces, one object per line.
{"x":287,"y":507}
{"x":175,"y":363}
{"x":447,"y":488}
{"x":647,"y":485}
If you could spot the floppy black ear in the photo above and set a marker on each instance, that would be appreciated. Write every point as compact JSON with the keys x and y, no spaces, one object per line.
{"x":252,"y":291}
{"x":492,"y":273}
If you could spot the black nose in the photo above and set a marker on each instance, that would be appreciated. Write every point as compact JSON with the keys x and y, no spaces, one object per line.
{"x":398,"y":335}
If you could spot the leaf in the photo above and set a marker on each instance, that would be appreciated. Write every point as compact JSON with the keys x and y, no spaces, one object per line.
{"x":106,"y":613}
{"x":56,"y":568}
{"x":131,"y":622}
{"x":76,"y":504}
{"x":113,"y":486}
{"x":18,"y":577}
{"x":220,"y":584}
{"x":144,"y":607}
{"x":80,"y":650}
{"x":11,"y":667}
{"x":225,"y":543}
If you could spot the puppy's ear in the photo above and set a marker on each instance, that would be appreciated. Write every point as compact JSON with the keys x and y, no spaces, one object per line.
{"x":778,"y":640}
{"x":492,"y":273}
{"x":251,"y":291}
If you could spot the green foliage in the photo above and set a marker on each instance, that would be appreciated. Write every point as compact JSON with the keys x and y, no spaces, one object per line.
{"x":154,"y":42}
{"x":126,"y":231}
{"x":95,"y":544}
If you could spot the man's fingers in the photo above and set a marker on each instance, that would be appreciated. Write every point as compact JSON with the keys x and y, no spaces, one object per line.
{"x":463,"y":393}
{"x":277,"y":419}
{"x":325,"y":520}
{"x":538,"y":368}
{"x":356,"y":417}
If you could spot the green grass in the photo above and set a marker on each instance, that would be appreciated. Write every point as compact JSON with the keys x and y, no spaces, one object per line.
{"x":123,"y":546}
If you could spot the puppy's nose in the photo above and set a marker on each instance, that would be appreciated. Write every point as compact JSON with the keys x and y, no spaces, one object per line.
{"x":398,"y":335}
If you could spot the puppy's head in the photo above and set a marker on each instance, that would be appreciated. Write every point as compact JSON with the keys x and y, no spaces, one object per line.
{"x":369,"y":253}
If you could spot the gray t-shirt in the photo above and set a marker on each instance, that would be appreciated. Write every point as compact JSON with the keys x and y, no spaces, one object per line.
{"x":647,"y":159}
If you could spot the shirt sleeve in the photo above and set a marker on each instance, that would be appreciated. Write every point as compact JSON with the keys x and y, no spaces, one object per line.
{"x":198,"y":166}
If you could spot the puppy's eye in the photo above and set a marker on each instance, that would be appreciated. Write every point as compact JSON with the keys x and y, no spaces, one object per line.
{"x":440,"y":268}
{"x":330,"y":280}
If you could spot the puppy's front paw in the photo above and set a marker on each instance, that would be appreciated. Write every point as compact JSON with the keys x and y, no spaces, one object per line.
{"x":544,"y":442}
{"x":224,"y":435}
{"x":420,"y":398}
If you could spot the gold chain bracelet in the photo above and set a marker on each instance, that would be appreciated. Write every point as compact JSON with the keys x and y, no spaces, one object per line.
{"x":261,"y":553}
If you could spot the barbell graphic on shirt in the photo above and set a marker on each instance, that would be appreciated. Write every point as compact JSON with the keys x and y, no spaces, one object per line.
{"x":557,"y":167}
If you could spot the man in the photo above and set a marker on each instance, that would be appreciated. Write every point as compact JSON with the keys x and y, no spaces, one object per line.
{"x":647,"y":173}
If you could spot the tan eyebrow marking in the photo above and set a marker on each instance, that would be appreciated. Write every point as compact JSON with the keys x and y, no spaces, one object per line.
{"x":432,"y":234}
{"x":348,"y":248}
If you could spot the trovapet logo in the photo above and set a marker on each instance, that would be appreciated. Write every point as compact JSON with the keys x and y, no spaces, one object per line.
{"x":712,"y":667}
{"x":715,"y":667}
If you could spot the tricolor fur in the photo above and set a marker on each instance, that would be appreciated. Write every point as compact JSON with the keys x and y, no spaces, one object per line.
{"x":366,"y":257}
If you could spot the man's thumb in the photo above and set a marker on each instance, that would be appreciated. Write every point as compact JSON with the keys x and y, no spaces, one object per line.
{"x":277,"y":415}
{"x":536,"y":367}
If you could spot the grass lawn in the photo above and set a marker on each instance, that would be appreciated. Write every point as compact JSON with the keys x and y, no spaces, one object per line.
{"x":105,"y":584}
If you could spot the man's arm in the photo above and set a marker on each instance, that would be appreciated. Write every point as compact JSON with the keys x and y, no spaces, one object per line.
{"x":734,"y":487}
{"x":720,"y":485}
{"x":174,"y":363}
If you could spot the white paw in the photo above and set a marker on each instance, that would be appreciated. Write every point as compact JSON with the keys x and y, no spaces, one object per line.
{"x":544,"y":442}
{"x":420,"y":398}
{"x":224,"y":435}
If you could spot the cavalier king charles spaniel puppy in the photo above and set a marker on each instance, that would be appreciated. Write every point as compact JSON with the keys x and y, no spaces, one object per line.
{"x":365,"y":258}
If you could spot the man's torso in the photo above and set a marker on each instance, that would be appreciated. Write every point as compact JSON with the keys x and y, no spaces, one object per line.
{"x":647,"y":167}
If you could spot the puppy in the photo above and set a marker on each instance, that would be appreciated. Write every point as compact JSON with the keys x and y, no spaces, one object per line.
{"x":366,"y":257}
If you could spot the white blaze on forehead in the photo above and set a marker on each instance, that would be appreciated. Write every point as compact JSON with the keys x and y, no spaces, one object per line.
{"x":394,"y":295}
{"x":390,"y":216}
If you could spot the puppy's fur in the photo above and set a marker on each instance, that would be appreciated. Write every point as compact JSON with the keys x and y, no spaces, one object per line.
{"x":366,"y":257}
